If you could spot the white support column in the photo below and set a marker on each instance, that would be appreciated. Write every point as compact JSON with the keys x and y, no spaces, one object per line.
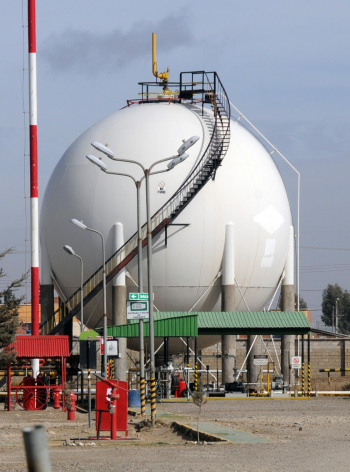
{"x":228,"y":342}
{"x":288,"y":304}
{"x":119,"y":304}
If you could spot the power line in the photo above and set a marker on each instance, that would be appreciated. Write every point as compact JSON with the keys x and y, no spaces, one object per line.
{"x":326,"y":248}
{"x":325,"y":265}
{"x":311,"y":290}
{"x":323,"y":270}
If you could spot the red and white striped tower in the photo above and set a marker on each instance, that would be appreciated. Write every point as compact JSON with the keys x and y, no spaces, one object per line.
{"x":34,"y":202}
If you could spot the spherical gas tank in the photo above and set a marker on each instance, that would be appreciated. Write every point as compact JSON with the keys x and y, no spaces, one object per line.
{"x":247,"y":191}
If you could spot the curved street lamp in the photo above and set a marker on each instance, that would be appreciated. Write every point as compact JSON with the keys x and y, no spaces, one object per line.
{"x":81,"y":225}
{"x":174,"y":160}
{"x":71,"y":252}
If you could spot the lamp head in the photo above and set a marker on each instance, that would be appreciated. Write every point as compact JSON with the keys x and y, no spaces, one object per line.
{"x":69,"y":249}
{"x":98,"y":162}
{"x":78,"y":223}
{"x":102,"y":148}
{"x":187,"y":144}
{"x":177,"y":160}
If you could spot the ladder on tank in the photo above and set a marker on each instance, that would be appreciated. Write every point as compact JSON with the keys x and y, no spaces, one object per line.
{"x":207,"y":90}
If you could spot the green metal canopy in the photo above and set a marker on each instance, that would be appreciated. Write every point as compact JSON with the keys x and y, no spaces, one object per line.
{"x":175,"y":324}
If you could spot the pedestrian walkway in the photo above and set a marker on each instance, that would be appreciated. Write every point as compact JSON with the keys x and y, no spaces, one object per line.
{"x":213,"y":428}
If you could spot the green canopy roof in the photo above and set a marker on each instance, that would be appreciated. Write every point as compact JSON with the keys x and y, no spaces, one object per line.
{"x":175,"y":324}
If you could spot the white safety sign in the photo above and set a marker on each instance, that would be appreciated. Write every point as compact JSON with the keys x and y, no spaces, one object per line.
{"x":112,"y":348}
{"x":296,"y":362}
{"x":161,"y":188}
{"x":137,"y":310}
{"x":261,"y":359}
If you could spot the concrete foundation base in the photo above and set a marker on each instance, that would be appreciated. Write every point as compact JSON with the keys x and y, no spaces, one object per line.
{"x":228,"y":347}
{"x":287,"y":351}
{"x":287,"y":341}
{"x":228,"y":304}
{"x":254,"y":370}
{"x":228,"y":342}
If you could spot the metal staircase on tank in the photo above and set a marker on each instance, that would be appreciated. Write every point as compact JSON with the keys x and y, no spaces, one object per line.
{"x":197,"y":88}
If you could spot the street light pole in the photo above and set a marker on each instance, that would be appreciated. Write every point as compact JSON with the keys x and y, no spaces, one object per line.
{"x":80,"y":224}
{"x":140,"y":286}
{"x":150,"y":296}
{"x":175,"y":160}
{"x":336,"y":315}
{"x":141,"y":333}
{"x":70,"y":251}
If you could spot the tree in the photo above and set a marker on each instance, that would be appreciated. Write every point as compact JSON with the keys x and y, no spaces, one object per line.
{"x":199,"y":400}
{"x":329,"y":300}
{"x":302,"y":303}
{"x":9,"y":323}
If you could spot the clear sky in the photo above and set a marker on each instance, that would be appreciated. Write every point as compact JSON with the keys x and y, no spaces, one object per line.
{"x":285,"y":65}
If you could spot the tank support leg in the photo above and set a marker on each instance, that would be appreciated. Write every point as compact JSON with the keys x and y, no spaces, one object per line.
{"x":288,"y":304}
{"x":119,"y":306}
{"x":228,"y":342}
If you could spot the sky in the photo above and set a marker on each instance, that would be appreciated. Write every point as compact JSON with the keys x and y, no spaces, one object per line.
{"x":285,"y":65}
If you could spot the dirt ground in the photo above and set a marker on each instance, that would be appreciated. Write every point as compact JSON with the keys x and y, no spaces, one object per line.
{"x":305,"y":435}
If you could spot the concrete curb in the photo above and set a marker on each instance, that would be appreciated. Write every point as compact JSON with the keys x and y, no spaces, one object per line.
{"x":192,"y":433}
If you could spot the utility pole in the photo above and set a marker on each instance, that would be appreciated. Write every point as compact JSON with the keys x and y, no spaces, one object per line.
{"x":333,"y":320}
{"x":34,"y":200}
{"x":336,"y":314}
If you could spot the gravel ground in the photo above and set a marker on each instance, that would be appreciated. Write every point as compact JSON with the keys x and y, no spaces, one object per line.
{"x":306,"y":435}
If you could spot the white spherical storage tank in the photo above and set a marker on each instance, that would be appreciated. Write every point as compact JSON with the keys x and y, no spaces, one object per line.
{"x":247,"y":191}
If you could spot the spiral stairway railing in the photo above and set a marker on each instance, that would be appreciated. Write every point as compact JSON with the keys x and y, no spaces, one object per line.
{"x":195,"y":87}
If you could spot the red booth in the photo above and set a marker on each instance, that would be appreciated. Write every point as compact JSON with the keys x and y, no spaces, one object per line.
{"x":103,"y":400}
{"x":33,"y":393}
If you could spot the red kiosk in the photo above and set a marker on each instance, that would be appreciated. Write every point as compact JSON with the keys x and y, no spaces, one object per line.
{"x":32,"y":394}
{"x":111,"y":408}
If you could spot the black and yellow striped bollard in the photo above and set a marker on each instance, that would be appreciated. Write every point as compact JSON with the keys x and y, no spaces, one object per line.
{"x":303,"y":379}
{"x":196,"y":376}
{"x":143,"y":396}
{"x":308,"y":380}
{"x":153,"y":398}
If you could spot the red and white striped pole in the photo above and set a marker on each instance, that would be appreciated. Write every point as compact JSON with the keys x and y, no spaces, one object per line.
{"x":34,"y":202}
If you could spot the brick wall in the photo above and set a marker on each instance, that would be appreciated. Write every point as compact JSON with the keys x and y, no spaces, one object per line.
{"x":325,"y":353}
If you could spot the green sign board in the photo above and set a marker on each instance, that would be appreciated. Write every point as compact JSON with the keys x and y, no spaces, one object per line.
{"x":139,"y":296}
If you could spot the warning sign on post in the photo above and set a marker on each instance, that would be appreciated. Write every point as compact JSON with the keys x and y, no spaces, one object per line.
{"x":137,"y":310}
{"x":261,"y":359}
{"x":296,"y":362}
